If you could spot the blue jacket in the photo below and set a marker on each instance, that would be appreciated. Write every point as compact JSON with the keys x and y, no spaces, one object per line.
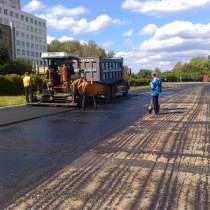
{"x":156,"y":87}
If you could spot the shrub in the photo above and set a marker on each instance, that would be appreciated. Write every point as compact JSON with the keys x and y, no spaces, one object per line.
{"x":19,"y":66}
{"x":10,"y":85}
{"x":138,"y":81}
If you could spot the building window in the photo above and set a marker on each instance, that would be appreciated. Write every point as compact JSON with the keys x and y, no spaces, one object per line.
{"x":35,"y":22}
{"x":32,"y":53}
{"x":32,"y":37}
{"x":23,"y":52}
{"x":22,"y":17}
{"x":11,"y":13}
{"x":0,"y":9}
{"x":32,"y":45}
{"x":26,"y":19}
{"x":31,"y":20}
{"x":28,"y":53}
{"x":18,"y":42}
{"x":23,"y":43}
{"x":32,"y":29}
{"x":18,"y":51}
{"x":28,"y":44}
{"x":5,"y":11}
{"x":23,"y":35}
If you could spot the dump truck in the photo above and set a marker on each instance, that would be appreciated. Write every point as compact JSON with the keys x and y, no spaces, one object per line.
{"x":103,"y":77}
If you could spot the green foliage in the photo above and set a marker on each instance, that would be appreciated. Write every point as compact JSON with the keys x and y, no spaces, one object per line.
{"x":37,"y":81}
{"x":19,"y":66}
{"x":11,"y":84}
{"x":4,"y":54}
{"x":138,"y":81}
{"x":75,"y":47}
{"x":142,"y":78}
{"x":192,"y":71}
{"x":144,"y":73}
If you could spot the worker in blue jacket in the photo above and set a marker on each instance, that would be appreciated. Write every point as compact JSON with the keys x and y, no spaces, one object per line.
{"x":156,"y":89}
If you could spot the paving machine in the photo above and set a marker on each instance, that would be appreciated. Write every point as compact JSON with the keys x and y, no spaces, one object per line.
{"x":90,"y":77}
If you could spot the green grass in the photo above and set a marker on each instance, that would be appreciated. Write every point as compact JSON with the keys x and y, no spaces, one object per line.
{"x":11,"y":100}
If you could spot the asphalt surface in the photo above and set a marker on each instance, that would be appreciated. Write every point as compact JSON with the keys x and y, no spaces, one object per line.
{"x":37,"y":142}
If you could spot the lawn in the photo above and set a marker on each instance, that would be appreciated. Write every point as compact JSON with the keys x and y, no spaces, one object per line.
{"x":11,"y":100}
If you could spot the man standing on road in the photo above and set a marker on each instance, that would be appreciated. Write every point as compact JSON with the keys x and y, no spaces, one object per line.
{"x":27,"y":83}
{"x":156,"y":89}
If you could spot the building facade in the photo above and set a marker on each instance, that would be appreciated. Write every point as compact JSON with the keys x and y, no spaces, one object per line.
{"x":28,"y":32}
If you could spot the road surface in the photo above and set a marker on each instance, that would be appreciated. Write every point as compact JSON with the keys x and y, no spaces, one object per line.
{"x":116,"y":157}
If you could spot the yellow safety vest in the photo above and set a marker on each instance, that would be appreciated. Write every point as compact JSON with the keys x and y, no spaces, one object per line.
{"x":26,"y":81}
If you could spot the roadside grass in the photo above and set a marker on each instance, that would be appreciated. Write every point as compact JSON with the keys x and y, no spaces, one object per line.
{"x":11,"y":100}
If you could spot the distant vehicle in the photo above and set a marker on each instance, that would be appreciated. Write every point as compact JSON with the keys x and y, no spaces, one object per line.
{"x":104,"y":77}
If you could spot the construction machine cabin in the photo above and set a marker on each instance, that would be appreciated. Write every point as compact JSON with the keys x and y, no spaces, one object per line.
{"x":69,"y":78}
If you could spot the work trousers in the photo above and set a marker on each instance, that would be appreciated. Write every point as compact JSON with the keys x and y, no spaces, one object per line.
{"x":28,"y":94}
{"x":155,"y":102}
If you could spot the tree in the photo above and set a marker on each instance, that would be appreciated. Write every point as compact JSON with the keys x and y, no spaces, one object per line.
{"x":4,"y":54}
{"x":89,"y":49}
{"x":144,"y":73}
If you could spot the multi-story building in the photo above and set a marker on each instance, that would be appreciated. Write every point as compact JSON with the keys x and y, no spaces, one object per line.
{"x":28,"y":31}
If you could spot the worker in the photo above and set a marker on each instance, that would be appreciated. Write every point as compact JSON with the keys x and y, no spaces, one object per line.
{"x":27,"y":83}
{"x":156,"y":89}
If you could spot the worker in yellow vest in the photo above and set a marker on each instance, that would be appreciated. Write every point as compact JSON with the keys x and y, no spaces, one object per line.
{"x":27,"y":83}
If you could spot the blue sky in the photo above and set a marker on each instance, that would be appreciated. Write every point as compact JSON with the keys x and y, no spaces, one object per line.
{"x":147,"y":33}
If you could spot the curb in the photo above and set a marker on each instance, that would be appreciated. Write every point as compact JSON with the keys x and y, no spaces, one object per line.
{"x":12,"y":106}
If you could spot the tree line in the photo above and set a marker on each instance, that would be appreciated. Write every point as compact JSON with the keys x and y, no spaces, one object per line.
{"x":192,"y":71}
{"x":85,"y":49}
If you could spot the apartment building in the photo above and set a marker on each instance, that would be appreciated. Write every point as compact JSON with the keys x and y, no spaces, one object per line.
{"x":29,"y":33}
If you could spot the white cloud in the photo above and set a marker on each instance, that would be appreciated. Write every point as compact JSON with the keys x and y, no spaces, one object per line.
{"x":163,"y":7}
{"x":148,"y":30}
{"x":60,"y":10}
{"x":128,"y":33}
{"x":65,"y":39}
{"x":50,"y":39}
{"x":78,"y":26}
{"x":34,"y":5}
{"x":173,"y":42}
{"x":83,"y":42}
{"x":107,"y":44}
{"x":61,"y":39}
